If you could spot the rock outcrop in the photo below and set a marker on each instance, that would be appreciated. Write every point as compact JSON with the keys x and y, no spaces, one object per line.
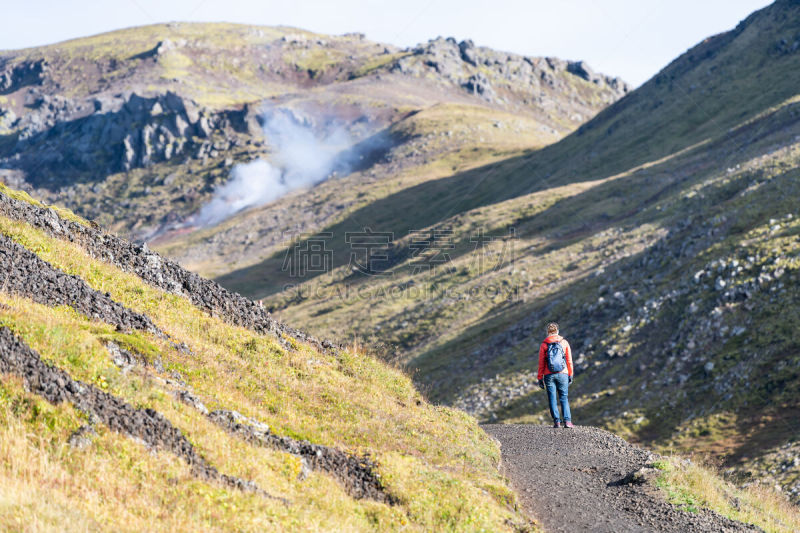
{"x":140,"y":260}
{"x":61,"y":141}
{"x":17,"y":75}
{"x":483,"y":71}
{"x":24,"y":273}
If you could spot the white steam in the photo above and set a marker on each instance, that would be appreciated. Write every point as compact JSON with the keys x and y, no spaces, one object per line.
{"x":300,"y":158}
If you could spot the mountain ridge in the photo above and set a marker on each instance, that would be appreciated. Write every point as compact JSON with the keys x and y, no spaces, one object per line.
{"x":89,"y":96}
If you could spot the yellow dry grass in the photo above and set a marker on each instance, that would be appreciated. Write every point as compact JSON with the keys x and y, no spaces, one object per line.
{"x":694,"y":485}
{"x":436,"y":460}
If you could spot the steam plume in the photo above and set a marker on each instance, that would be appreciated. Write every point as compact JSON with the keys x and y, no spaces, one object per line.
{"x":300,"y":158}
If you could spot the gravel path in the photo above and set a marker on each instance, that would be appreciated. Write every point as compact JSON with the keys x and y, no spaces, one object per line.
{"x":568,"y":481}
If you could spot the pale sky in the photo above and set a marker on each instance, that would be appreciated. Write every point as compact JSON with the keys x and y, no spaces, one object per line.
{"x":632,"y":39}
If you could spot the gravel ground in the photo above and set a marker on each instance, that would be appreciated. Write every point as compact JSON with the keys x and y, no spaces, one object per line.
{"x":570,"y":480}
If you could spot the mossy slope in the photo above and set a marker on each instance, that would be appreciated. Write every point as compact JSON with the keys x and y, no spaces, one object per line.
{"x":344,"y":399}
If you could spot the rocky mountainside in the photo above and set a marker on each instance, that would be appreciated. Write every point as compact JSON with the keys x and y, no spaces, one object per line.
{"x":137,"y":128}
{"x":662,"y":235}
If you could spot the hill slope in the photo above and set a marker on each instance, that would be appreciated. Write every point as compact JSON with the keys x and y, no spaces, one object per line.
{"x":662,"y":235}
{"x":135,"y":395}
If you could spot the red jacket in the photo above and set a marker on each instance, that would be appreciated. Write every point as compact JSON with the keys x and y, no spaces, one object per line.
{"x":543,"y":370}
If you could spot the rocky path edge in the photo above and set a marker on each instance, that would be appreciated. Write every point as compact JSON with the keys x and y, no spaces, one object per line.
{"x":580,"y":480}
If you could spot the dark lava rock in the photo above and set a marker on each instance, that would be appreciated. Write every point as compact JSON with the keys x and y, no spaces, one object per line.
{"x":23,"y":272}
{"x":356,"y":474}
{"x":149,"y":425}
{"x":159,"y":272}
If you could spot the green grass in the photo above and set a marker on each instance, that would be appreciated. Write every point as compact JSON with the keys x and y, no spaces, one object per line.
{"x":677,"y":494}
{"x":693,"y":486}
{"x":376,"y":63}
{"x":315,"y":61}
{"x":687,"y":170}
{"x":351,"y":400}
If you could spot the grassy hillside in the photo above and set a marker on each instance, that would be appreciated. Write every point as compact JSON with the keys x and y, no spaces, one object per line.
{"x":662,"y":235}
{"x":277,"y":431}
{"x":67,"y":469}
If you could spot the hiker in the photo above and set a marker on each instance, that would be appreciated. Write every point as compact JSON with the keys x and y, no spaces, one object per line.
{"x":555,"y":373}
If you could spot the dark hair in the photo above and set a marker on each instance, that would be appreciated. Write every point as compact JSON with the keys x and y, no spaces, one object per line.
{"x":552,"y":327}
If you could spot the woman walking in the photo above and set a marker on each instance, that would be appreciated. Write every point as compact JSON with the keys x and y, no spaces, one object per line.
{"x":555,"y":374}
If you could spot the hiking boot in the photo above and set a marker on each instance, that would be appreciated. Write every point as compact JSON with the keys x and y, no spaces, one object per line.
{"x":556,"y":424}
{"x":568,"y":424}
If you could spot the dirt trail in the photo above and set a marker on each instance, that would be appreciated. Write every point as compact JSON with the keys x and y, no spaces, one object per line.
{"x":569,"y":480}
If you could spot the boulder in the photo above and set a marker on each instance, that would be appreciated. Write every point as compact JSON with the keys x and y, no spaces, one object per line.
{"x":640,"y":476}
{"x":582,"y":70}
{"x":479,"y":84}
{"x":22,"y":74}
{"x":467,"y":50}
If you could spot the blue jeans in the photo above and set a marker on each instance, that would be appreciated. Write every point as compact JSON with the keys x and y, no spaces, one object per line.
{"x":557,"y":386}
